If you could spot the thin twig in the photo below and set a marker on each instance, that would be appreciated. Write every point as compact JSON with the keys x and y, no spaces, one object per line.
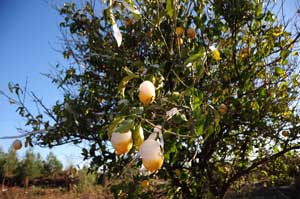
{"x":179,"y":79}
{"x":24,"y":134}
{"x":165,"y":130}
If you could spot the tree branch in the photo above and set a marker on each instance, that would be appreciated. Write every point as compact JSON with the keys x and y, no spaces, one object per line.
{"x":27,"y":133}
{"x":256,"y":164}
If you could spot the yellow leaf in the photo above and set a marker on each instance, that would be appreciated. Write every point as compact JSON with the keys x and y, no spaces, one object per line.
{"x":277,"y":32}
{"x":294,"y":54}
{"x":290,"y":40}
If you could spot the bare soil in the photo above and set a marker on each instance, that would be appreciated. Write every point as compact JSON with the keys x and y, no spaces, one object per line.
{"x":52,"y":193}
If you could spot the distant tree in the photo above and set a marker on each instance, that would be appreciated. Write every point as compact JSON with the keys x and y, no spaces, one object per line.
{"x":31,"y":166}
{"x":87,"y":179}
{"x":3,"y":159}
{"x":39,"y":162}
{"x":11,"y":165}
{"x":52,"y":165}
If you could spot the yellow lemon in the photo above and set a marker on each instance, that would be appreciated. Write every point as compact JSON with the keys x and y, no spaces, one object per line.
{"x":152,"y":156}
{"x":146,"y":92}
{"x":191,"y":33}
{"x":244,"y":53}
{"x":179,"y":41}
{"x":216,"y":55}
{"x":179,"y":31}
{"x":17,"y":144}
{"x":149,"y":34}
{"x":128,"y":22}
{"x":285,"y":133}
{"x":145,"y":183}
{"x":122,"y":142}
{"x":223,"y":109}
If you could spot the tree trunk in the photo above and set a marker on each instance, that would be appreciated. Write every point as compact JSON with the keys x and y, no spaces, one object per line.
{"x":3,"y":181}
{"x":26,"y":183}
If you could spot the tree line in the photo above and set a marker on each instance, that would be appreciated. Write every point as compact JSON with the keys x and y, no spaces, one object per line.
{"x":16,"y":171}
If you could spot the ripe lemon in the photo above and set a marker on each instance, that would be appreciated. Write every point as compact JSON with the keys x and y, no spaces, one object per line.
{"x":179,"y":41}
{"x":244,"y":53}
{"x":149,"y":34}
{"x":17,"y":144}
{"x":122,"y":142}
{"x":145,"y":183}
{"x":191,"y":33}
{"x":223,"y":109}
{"x":285,"y":133}
{"x":179,"y":31}
{"x":215,"y":53}
{"x":152,"y":156}
{"x":146,"y":92}
{"x":128,"y":22}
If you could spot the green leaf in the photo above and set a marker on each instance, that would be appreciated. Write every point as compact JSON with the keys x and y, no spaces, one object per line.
{"x":216,"y":114}
{"x":125,"y":80}
{"x":170,"y":8}
{"x":124,"y":126}
{"x":194,"y":57}
{"x":295,"y":80}
{"x":283,"y":86}
{"x":262,"y":92}
{"x":255,"y":105}
{"x":179,"y":118}
{"x":138,"y":136}
{"x":200,"y":130}
{"x":84,"y":152}
{"x":114,"y":124}
{"x":138,"y":110}
{"x":11,"y":101}
{"x":279,"y":72}
{"x":130,"y":8}
{"x":10,"y":87}
{"x":210,"y":130}
{"x":264,"y":172}
{"x":295,"y":53}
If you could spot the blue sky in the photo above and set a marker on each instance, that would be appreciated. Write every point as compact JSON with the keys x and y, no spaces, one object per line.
{"x":29,"y":34}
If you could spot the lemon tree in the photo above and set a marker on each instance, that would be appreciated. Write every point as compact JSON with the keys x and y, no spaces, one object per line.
{"x":213,"y":84}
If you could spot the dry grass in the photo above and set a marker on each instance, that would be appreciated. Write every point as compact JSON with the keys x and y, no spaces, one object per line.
{"x":53,"y":193}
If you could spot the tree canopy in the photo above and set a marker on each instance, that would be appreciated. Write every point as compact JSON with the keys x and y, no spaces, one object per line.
{"x":30,"y":167}
{"x":52,"y":165}
{"x":226,"y":77}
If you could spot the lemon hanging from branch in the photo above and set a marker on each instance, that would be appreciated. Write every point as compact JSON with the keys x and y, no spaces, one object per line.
{"x":215,"y":53}
{"x":122,"y":142}
{"x":146,"y":92}
{"x":151,"y":154}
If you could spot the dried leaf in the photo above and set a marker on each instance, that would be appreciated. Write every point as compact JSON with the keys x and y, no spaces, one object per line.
{"x":171,"y":113}
{"x":131,"y":8}
{"x":117,"y":34}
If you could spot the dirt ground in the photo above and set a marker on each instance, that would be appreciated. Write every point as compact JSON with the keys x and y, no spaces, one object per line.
{"x":50,"y":193}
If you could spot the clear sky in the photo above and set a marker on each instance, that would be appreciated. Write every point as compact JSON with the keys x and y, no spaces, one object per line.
{"x":29,"y":34}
